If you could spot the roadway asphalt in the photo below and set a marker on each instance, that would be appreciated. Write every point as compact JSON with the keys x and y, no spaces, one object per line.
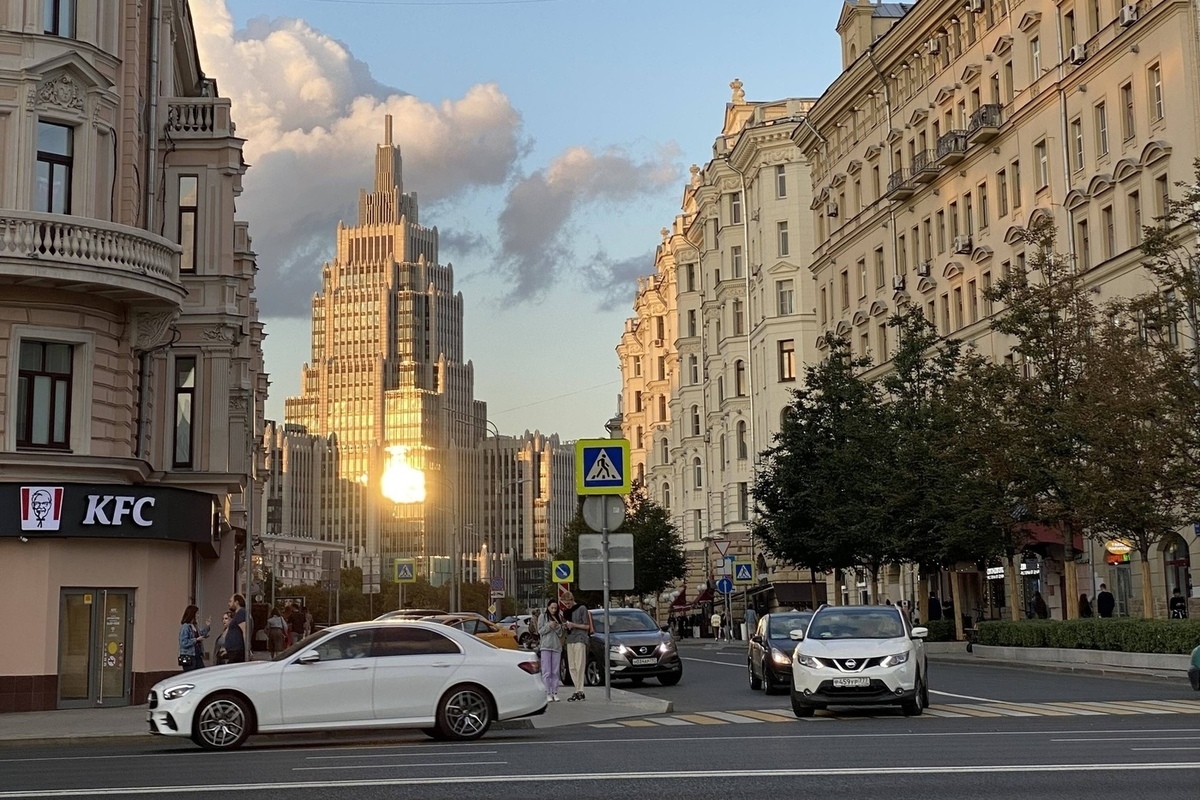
{"x":1141,"y":739}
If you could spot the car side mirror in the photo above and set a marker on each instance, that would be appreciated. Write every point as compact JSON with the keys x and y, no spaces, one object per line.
{"x":796,"y":636}
{"x":756,"y":639}
{"x":665,"y":629}
{"x":920,"y":633}
{"x":309,"y":657}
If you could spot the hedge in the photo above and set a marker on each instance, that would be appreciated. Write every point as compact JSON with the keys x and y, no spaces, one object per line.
{"x":1128,"y":635}
{"x":941,"y":630}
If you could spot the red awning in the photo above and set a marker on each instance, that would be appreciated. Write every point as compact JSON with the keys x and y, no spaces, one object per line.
{"x":681,"y":601}
{"x":1039,"y":533}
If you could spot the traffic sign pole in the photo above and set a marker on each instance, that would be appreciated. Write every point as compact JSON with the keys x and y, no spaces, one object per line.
{"x":607,"y":617}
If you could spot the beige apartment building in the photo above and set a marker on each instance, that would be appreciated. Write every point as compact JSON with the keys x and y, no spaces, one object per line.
{"x":718,"y":340}
{"x":954,"y":126}
{"x":131,"y":374}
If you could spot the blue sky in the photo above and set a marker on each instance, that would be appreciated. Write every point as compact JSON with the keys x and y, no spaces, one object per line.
{"x":548,"y":140}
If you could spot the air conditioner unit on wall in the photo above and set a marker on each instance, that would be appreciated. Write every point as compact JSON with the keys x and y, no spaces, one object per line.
{"x":1129,"y":15}
{"x":975,"y":6}
{"x":962,"y":244}
{"x":933,"y":46}
{"x":898,"y":282}
{"x":831,"y":209}
{"x":1079,"y":54}
{"x":923,"y":269}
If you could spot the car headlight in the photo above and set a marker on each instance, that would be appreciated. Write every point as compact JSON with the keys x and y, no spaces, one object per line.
{"x":894,"y":660}
{"x":666,"y":647}
{"x":178,"y":691}
{"x":780,"y":657}
{"x":807,"y":661}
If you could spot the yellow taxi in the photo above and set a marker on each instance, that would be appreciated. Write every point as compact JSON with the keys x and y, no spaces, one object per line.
{"x":478,"y":626}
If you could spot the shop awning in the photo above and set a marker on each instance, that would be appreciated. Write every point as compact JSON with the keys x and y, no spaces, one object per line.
{"x":1045,"y":534}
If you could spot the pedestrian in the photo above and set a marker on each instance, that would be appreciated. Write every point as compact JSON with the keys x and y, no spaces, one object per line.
{"x":286,"y":615}
{"x":1105,"y":602}
{"x":935,"y":607}
{"x":308,"y":623}
{"x":751,"y":618}
{"x":191,"y":647}
{"x":219,"y":654}
{"x":715,"y":622}
{"x":1085,"y":606}
{"x":235,"y":634}
{"x":1177,"y":605}
{"x":277,"y":632}
{"x":296,"y":624}
{"x":550,"y":649}
{"x":578,"y":626}
{"x":1040,"y":609}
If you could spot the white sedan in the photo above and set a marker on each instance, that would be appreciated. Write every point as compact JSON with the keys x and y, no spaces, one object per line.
{"x":364,"y":675}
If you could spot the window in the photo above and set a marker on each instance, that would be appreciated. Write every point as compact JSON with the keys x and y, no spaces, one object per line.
{"x":1069,"y":33}
{"x":662,"y":368}
{"x":986,"y":279}
{"x":780,"y":181}
{"x":637,"y":401}
{"x":697,"y":473}
{"x":58,"y":17}
{"x":941,"y":231}
{"x":1002,"y":192}
{"x":1035,"y":58}
{"x":1009,"y":82}
{"x":735,"y":207}
{"x":188,"y":207}
{"x":639,"y":438}
{"x":666,"y":495}
{"x":1128,"y":121}
{"x":781,"y":232}
{"x":787,"y":359}
{"x":1041,"y":155}
{"x":660,"y":327}
{"x":1016,"y":184}
{"x":785,"y":297}
{"x":739,"y":318}
{"x":845,"y":290}
{"x":880,"y":268}
{"x":55,"y":159}
{"x":881,"y":334}
{"x":946,"y":314}
{"x":665,"y":450}
{"x":862,"y":277}
{"x":739,"y":378}
{"x":875,"y":181}
{"x":735,"y":258}
{"x":1156,"y":92}
{"x":953,"y":220}
{"x":1162,"y":195}
{"x":983,"y":205}
{"x":393,"y":641}
{"x":824,"y":304}
{"x":1109,"y":231}
{"x":1135,"y":218}
{"x":743,"y":490}
{"x":636,"y":364}
{"x":695,"y":420}
{"x":693,"y":370}
{"x":927,"y":229}
{"x":662,"y":408}
{"x":1083,"y":245}
{"x":691,"y":323}
{"x":958,"y":307}
{"x":972,"y":302}
{"x":1102,"y":129}
{"x":743,"y":448}
{"x":44,"y":395}
{"x":690,"y":277}
{"x":185,"y":399}
{"x":720,"y":387}
{"x":969,"y":213}
{"x":1077,"y":144}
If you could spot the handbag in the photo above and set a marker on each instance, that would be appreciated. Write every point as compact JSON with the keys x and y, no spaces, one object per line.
{"x":186,"y":660}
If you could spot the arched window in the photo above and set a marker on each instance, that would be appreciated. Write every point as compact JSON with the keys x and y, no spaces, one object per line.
{"x":786,"y":416}
{"x":697,"y":473}
{"x":666,"y":451}
{"x":641,"y":473}
{"x":662,"y":408}
{"x":743,"y":448}
{"x":695,"y":420}
{"x":666,"y":495}
{"x":739,"y":378}
{"x":638,"y":438}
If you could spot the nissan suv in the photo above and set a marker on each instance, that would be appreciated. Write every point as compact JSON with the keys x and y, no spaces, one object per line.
{"x":859,"y":655}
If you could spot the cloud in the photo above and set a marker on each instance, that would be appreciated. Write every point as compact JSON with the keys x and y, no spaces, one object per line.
{"x":615,"y":280}
{"x":535,"y":246}
{"x":312,"y":115}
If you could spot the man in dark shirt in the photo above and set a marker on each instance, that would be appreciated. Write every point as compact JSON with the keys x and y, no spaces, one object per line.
{"x":1105,"y":602}
{"x":235,"y":635}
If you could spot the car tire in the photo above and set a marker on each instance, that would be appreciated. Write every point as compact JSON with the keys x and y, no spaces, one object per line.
{"x":671,"y":679}
{"x":755,"y":682}
{"x":464,"y":713}
{"x":912,"y":707}
{"x":802,"y":710}
{"x":592,"y":674}
{"x":221,"y":722}
{"x":769,"y":684}
{"x":925,"y":690}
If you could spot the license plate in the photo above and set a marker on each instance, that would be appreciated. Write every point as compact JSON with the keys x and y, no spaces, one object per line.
{"x":645,"y":662}
{"x":851,"y":683}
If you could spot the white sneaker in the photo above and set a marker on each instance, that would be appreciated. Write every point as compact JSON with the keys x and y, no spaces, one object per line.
{"x":549,"y":698}
{"x":556,"y":698}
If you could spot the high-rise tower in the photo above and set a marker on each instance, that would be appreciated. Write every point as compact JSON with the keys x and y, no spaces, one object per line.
{"x":387,"y":380}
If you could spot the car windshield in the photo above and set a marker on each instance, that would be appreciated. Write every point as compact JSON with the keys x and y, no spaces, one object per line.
{"x":856,"y":623}
{"x":782,"y":625}
{"x":625,"y":621}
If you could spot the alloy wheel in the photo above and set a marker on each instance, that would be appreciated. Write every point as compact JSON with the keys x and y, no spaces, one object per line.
{"x":466,"y":714}
{"x":222,"y":723}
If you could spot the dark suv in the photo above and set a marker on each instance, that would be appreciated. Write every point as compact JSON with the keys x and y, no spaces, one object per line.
{"x":640,"y":650}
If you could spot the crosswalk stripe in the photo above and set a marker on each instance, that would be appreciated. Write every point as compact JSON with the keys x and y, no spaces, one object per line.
{"x":1005,"y":711}
{"x":938,"y":712}
{"x":1106,"y":708}
{"x":972,"y":711}
{"x":637,"y":723}
{"x":1137,"y":705}
{"x":730,"y":717}
{"x":669,"y":721}
{"x":700,"y":719}
{"x":1185,"y":706}
{"x":1078,"y":709}
{"x":1034,"y":708}
{"x":606,"y":725}
{"x":768,"y":716}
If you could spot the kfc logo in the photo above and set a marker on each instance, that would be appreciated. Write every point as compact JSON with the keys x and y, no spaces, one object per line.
{"x":41,"y":508}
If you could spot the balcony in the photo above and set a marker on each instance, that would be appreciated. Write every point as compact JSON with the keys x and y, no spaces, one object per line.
{"x":88,"y":255}
{"x":985,"y":123}
{"x":900,"y":185}
{"x":925,"y":167}
{"x":197,"y":118}
{"x":952,"y":148}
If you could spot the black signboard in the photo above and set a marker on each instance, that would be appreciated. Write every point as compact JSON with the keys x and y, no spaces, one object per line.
{"x":47,"y":510}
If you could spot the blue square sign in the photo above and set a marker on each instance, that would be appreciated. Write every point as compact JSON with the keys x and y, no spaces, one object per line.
{"x":602,"y":466}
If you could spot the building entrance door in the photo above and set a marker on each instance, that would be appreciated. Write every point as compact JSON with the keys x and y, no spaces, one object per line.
{"x":95,"y":632}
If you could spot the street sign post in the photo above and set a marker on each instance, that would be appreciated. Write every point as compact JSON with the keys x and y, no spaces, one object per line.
{"x":563,"y":571}
{"x":725,"y":586}
{"x":602,"y":466}
{"x":620,"y":561}
{"x":743,"y":573}
{"x":404,"y":571}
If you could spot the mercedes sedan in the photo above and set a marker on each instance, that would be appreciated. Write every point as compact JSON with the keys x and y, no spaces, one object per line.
{"x":360,"y":676}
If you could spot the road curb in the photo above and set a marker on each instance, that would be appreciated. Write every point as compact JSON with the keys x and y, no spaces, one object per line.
{"x":1084,"y":669}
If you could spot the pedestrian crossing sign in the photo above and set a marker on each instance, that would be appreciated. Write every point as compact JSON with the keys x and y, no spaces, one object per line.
{"x":743,"y":573}
{"x":406,"y":570}
{"x":602,"y":466}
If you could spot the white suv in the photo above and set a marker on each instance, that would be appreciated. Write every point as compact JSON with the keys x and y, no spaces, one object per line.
{"x":859,"y":655}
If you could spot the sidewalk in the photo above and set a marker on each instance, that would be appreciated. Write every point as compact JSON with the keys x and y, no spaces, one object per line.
{"x":76,"y":725}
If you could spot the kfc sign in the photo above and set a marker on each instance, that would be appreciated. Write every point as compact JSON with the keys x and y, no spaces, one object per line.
{"x":112,"y":509}
{"x":41,"y":508}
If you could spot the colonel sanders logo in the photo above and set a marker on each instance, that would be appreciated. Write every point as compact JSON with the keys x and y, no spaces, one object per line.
{"x":41,"y":508}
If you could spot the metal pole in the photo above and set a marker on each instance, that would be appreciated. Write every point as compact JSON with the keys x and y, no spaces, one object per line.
{"x":250,"y":480}
{"x":607,"y":617}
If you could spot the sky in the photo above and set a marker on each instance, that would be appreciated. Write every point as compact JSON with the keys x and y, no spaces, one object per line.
{"x":547,"y":140}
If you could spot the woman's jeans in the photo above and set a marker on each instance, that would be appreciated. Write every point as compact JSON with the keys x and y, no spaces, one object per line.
{"x":551,"y":661}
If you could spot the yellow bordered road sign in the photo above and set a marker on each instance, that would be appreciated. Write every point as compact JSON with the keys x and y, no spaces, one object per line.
{"x":602,"y":466}
{"x":563,"y":571}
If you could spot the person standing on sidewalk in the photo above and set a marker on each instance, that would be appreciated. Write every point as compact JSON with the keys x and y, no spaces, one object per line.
{"x":715,"y":623}
{"x":579,"y":629}
{"x":550,"y":649}
{"x":1105,"y":602}
{"x":277,"y":632}
{"x":191,"y":640}
{"x":235,"y":635}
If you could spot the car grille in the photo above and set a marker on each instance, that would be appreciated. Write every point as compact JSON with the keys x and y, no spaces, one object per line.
{"x":851,"y":664}
{"x":153,"y":700}
{"x":643,"y":650}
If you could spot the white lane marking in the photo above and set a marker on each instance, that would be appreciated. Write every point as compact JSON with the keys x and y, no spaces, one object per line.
{"x":1130,"y":739}
{"x":666,"y":721}
{"x":1160,"y":749}
{"x":710,"y":661}
{"x":701,"y":775}
{"x":965,"y":697}
{"x":448,"y":754}
{"x":405,"y":765}
{"x":725,"y":715}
